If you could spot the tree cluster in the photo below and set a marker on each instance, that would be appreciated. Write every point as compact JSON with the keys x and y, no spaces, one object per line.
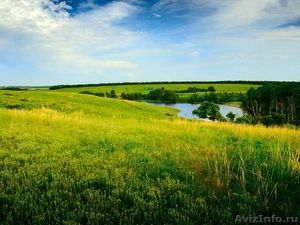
{"x":274,"y":103}
{"x":195,"y":89}
{"x":136,"y":96}
{"x":218,"y":98}
{"x":162,"y":95}
{"x":14,"y":89}
{"x":159,"y":95}
{"x":112,"y":94}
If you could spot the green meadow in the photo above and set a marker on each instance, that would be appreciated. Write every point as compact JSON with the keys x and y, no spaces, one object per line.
{"x":69,"y":158}
{"x":145,"y":88}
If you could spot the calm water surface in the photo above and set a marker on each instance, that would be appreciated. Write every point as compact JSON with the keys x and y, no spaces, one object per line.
{"x":186,"y":109}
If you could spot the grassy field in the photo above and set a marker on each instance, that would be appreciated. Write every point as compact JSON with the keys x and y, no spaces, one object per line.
{"x":145,"y":88}
{"x":68,"y":158}
{"x":91,"y":106}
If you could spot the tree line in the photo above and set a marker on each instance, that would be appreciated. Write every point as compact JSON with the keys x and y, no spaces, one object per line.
{"x":112,"y":94}
{"x":159,"y":95}
{"x":195,"y":89}
{"x":14,"y":89}
{"x":218,"y":98}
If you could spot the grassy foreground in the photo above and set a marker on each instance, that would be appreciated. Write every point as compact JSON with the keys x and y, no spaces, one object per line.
{"x":68,"y":158}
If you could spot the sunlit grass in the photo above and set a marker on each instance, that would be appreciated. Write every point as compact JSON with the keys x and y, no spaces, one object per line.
{"x":71,"y":158}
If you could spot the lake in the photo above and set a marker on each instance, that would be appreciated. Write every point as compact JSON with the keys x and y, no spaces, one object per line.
{"x":186,"y":109}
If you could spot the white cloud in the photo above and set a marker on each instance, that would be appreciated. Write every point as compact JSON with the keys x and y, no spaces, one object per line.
{"x":156,"y":15}
{"x":162,"y":4}
{"x":89,"y":4}
{"x":239,"y":57}
{"x":221,"y":16}
{"x":291,"y":34}
{"x":104,"y":39}
{"x":111,"y":12}
{"x":193,"y":54}
{"x":38,"y":28}
{"x":256,"y":13}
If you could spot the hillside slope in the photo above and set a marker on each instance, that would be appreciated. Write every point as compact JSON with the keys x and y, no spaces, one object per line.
{"x":78,"y":159}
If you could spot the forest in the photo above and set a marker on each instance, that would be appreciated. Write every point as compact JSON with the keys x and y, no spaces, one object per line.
{"x":274,"y":101}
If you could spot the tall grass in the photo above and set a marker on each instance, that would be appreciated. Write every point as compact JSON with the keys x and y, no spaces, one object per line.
{"x":133,"y":165}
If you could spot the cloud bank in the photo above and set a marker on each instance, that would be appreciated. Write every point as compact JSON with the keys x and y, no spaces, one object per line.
{"x":45,"y":42}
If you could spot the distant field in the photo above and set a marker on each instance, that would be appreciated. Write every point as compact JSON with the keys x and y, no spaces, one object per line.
{"x":74,"y":102}
{"x":145,"y":88}
{"x":69,"y":158}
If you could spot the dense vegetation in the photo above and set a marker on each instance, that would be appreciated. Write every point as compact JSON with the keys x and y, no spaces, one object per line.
{"x":14,"y":89}
{"x":157,"y":95}
{"x":69,"y":158}
{"x":271,"y":104}
{"x":275,"y":103}
{"x":218,"y":98}
{"x":195,"y":89}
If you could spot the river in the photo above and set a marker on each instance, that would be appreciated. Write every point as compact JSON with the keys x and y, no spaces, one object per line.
{"x":186,"y":109}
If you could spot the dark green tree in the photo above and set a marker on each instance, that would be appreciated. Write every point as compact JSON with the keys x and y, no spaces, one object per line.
{"x":113,"y":94}
{"x":169,"y":96}
{"x":211,"y":97}
{"x":267,"y":120}
{"x":245,"y":119}
{"x":193,"y":98}
{"x":279,"y":119}
{"x":130,"y":96}
{"x":211,"y":89}
{"x":230,"y":116}
{"x":123,"y":95}
{"x":156,"y":95}
{"x":207,"y":110}
{"x":99,"y":94}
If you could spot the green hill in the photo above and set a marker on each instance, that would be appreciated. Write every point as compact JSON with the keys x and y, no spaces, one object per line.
{"x":68,"y":158}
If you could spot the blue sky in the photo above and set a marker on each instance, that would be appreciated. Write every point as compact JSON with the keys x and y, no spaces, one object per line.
{"x":48,"y":42}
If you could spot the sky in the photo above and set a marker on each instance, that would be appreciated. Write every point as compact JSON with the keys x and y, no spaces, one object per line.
{"x":50,"y":42}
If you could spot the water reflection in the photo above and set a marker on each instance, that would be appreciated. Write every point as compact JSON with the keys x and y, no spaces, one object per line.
{"x":186,"y":109}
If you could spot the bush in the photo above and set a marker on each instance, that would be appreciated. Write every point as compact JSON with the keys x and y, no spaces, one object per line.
{"x":279,"y":119}
{"x":246,"y":119}
{"x":230,"y":116}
